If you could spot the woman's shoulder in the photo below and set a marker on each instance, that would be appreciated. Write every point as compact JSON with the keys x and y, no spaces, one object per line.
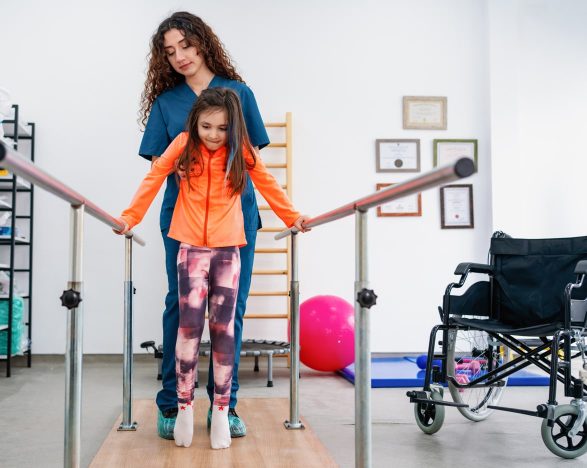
{"x":172,"y":93}
{"x":238,"y":86}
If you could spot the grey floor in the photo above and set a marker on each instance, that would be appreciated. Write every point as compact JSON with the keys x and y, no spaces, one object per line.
{"x":32,"y":402}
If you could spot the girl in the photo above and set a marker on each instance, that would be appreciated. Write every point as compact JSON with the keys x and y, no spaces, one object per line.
{"x":186,"y":57}
{"x":216,"y":156}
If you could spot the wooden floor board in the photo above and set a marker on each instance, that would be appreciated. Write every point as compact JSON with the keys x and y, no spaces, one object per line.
{"x":267,"y":444}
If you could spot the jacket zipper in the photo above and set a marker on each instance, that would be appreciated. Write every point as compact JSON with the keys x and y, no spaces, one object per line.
{"x":207,"y":203}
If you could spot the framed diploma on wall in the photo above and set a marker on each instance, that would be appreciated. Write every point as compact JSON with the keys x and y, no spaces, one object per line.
{"x":456,"y":207}
{"x":424,"y":112}
{"x":398,"y":155}
{"x":450,"y":151}
{"x":405,"y":206}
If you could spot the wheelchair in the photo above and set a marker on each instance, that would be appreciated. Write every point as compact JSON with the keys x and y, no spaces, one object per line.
{"x":531,"y":310}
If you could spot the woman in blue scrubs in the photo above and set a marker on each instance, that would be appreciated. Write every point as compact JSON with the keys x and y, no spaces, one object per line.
{"x":186,"y":57}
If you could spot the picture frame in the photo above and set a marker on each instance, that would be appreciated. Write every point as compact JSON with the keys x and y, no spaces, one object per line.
{"x":456,"y":207}
{"x":424,"y":112}
{"x":450,"y":150}
{"x":397,"y":155}
{"x":405,"y":206}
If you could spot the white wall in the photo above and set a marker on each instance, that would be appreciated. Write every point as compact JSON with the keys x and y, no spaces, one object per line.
{"x":538,"y":99}
{"x":341,"y":67}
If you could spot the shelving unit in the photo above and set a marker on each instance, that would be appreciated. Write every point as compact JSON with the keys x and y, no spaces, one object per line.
{"x":18,"y":249}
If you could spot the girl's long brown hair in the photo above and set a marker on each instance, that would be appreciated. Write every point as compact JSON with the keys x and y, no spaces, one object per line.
{"x":191,"y":161}
{"x":161,"y":76}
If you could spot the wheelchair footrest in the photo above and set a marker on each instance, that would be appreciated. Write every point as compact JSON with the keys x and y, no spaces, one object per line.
{"x":422,"y":397}
{"x":516,"y":410}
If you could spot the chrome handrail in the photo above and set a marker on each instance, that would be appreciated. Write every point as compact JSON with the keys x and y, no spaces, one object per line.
{"x":28,"y":170}
{"x":364,"y":297}
{"x":72,"y":299}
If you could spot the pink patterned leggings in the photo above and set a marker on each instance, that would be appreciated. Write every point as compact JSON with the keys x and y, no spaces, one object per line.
{"x":208,"y":277}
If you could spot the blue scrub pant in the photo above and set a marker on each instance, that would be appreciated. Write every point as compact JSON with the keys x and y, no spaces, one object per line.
{"x":167,"y":396}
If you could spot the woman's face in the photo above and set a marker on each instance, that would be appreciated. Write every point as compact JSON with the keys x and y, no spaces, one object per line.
{"x":183,"y":57}
{"x":212,"y":128}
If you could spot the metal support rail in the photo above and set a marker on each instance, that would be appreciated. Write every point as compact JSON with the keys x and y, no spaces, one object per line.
{"x":72,"y":298}
{"x":364,"y":298}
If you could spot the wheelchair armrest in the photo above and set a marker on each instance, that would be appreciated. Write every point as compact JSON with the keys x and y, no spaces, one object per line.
{"x":463,"y":268}
{"x":581,"y":267}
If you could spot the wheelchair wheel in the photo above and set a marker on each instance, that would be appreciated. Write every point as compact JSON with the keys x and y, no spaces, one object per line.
{"x":470,"y":354}
{"x":429,"y":416}
{"x":556,"y":438}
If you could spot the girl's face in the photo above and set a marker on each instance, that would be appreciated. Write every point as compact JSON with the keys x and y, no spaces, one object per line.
{"x":212,"y":128}
{"x":183,"y":57}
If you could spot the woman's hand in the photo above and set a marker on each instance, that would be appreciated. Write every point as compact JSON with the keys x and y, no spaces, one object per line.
{"x":126,"y":228}
{"x":300,"y":223}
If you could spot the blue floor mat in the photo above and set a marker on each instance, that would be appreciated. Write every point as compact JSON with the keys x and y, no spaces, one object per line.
{"x":403,"y":372}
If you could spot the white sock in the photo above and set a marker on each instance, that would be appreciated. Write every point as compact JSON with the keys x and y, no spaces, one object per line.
{"x":220,"y":431}
{"x":183,"y":432}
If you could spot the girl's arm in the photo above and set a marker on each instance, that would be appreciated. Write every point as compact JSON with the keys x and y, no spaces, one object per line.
{"x":272,"y":191}
{"x":152,"y":182}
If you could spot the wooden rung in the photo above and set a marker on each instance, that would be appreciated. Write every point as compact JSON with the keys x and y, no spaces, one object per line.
{"x":275,"y":124}
{"x":270,"y":251}
{"x":264,"y":207}
{"x":266,"y":316}
{"x":269,"y":272}
{"x":277,"y":145}
{"x":276,"y":165}
{"x":283,"y":186}
{"x":269,"y":293}
{"x":272,"y":229}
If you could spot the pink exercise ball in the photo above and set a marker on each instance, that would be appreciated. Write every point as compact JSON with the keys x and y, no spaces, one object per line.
{"x":327,"y":333}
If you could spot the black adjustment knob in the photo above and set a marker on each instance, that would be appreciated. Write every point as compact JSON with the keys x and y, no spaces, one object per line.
{"x":366,"y":298}
{"x":70,"y":299}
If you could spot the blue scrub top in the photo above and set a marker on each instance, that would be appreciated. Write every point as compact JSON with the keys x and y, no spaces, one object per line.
{"x":168,"y":119}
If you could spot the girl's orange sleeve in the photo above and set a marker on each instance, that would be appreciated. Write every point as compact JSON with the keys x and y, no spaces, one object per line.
{"x":271,"y":190}
{"x":153,"y":181}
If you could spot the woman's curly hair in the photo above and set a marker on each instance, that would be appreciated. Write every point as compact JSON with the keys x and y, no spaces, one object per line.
{"x":161,"y":76}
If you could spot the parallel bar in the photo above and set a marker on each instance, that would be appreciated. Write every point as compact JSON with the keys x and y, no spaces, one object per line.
{"x":362,"y":349}
{"x":294,"y":340}
{"x":73,"y":351}
{"x":21,"y":166}
{"x":464,"y":167}
{"x":127,"y":423}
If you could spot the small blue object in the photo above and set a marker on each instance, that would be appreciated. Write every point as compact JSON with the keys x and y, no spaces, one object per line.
{"x":404,"y":372}
{"x":423,"y":359}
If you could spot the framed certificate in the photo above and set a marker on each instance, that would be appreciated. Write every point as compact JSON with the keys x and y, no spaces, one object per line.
{"x":405,"y":206}
{"x":398,"y":155}
{"x":449,"y":151}
{"x":456,"y":207}
{"x":424,"y":112}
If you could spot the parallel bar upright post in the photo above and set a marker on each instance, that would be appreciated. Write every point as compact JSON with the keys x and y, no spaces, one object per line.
{"x":73,"y":351}
{"x":127,"y":423}
{"x":294,"y":341}
{"x":362,"y":349}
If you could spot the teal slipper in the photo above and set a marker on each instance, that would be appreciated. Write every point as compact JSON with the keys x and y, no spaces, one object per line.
{"x":166,"y":423}
{"x":236,"y":424}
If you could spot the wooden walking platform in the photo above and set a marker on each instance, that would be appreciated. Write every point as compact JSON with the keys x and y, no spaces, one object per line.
{"x":267,"y":444}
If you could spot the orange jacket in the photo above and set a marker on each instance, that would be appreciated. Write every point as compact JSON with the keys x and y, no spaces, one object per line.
{"x":206,"y":215}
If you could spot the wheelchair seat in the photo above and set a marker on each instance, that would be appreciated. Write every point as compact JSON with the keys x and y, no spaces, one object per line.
{"x":496,"y":326}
